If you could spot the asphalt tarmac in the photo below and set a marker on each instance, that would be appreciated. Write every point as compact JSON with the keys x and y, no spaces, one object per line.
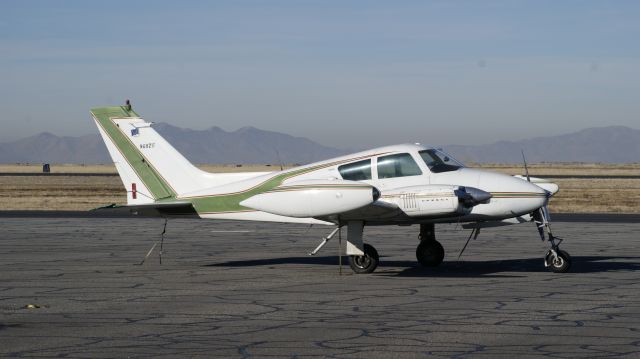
{"x":72,"y":287}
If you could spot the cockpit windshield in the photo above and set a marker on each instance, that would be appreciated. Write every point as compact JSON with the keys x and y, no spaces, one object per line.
{"x":438,"y":161}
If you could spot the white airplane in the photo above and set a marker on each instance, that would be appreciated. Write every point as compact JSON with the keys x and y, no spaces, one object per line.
{"x":395,"y":185}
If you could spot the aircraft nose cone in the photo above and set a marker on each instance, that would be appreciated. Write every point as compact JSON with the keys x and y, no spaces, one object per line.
{"x":513,"y":195}
{"x":551,"y":188}
{"x":538,"y":196}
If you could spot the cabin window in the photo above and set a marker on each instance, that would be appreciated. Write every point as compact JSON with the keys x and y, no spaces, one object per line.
{"x":400,"y":165}
{"x":356,"y":171}
{"x":438,"y":161}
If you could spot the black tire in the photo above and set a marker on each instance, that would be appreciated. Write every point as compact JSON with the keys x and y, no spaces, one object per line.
{"x":430,"y":253}
{"x":562,"y":264}
{"x":366,"y":263}
{"x":566,"y":254}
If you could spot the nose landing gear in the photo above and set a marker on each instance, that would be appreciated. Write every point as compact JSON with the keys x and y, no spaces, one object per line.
{"x":556,"y":259}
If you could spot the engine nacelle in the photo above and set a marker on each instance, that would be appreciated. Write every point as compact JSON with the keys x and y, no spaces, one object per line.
{"x":436,"y":200}
{"x":313,"y":198}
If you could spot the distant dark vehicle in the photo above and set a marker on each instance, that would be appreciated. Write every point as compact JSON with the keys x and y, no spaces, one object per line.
{"x":46,"y":168}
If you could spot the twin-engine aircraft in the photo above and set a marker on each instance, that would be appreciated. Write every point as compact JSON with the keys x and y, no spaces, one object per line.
{"x":395,"y":185}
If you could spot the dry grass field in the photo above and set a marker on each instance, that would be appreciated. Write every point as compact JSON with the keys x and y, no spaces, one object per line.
{"x":59,"y":192}
{"x":565,"y":169}
{"x":600,"y":195}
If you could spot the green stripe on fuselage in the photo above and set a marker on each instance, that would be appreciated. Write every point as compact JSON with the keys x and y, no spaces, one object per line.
{"x":517,"y":194}
{"x":159,"y":188}
{"x":317,"y":188}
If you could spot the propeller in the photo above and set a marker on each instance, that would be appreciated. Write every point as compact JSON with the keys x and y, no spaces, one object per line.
{"x":526,"y":169}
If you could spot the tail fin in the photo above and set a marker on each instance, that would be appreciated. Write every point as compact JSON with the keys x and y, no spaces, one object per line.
{"x":150,"y":168}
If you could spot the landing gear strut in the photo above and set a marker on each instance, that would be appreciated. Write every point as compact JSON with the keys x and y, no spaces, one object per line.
{"x":556,"y":259}
{"x":365,"y":259}
{"x":430,"y":252}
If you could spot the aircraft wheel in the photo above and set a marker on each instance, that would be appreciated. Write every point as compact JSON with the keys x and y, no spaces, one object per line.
{"x":430,"y":253}
{"x":560,"y":264}
{"x":366,"y":263}
{"x":566,"y":254}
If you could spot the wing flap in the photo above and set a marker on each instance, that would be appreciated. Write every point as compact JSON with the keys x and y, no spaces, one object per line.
{"x":378,"y":211}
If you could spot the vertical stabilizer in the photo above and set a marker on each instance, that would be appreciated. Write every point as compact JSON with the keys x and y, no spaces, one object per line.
{"x":150,"y":168}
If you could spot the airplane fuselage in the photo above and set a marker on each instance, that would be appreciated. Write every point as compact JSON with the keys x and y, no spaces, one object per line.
{"x":511,"y":196}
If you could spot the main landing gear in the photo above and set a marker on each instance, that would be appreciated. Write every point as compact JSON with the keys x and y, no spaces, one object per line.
{"x":366,"y":263}
{"x":430,"y":252}
{"x":364,"y":258}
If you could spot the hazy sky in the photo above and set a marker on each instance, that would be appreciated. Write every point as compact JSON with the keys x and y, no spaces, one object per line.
{"x":343,"y":73}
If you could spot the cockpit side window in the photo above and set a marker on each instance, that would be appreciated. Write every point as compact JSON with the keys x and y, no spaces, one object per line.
{"x":399,"y":165}
{"x":439,"y":162}
{"x":356,"y":171}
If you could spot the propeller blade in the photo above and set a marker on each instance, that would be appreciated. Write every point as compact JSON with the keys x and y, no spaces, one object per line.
{"x":539,"y":219}
{"x":547,"y":214}
{"x":526,"y":169}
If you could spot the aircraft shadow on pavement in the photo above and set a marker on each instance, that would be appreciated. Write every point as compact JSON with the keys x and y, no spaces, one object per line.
{"x":507,"y":267}
{"x":454,"y":268}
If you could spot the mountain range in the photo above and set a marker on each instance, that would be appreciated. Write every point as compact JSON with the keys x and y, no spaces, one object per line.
{"x":213,"y":145}
{"x":614,"y":144}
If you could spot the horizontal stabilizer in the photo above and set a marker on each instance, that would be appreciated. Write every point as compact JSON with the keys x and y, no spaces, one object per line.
{"x":161,"y":209}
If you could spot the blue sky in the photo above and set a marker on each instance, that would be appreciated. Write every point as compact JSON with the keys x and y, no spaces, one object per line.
{"x":344,"y":73}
